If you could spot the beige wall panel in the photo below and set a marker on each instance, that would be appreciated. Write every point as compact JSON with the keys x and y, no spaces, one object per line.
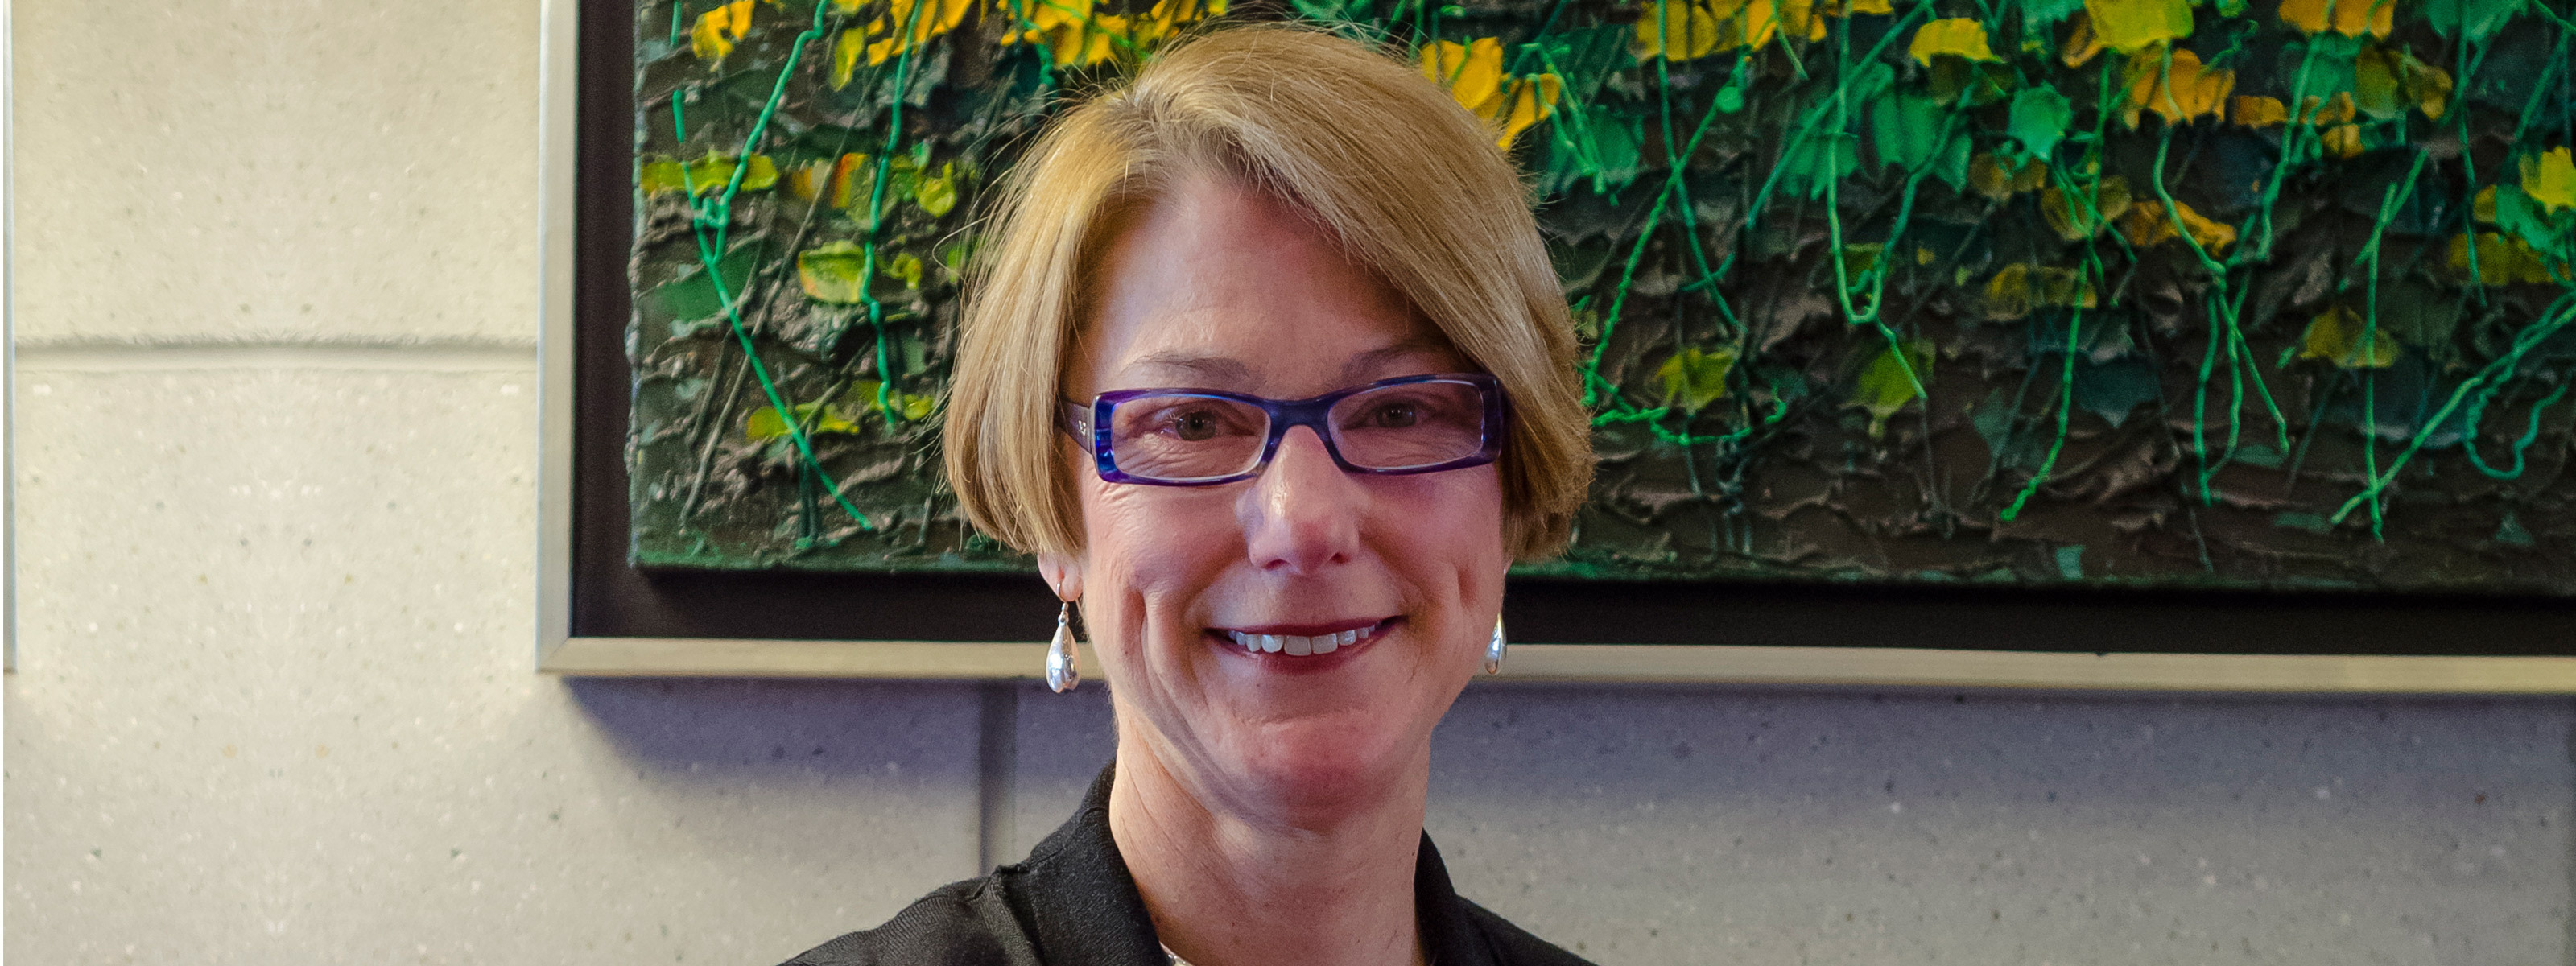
{"x":1691,"y":825}
{"x":276,"y":171}
{"x":276,"y":706}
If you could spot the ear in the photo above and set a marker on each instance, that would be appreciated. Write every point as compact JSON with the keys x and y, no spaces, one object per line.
{"x":1062,"y":573}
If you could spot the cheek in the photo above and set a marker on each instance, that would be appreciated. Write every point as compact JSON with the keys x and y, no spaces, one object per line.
{"x":1152,"y":545}
{"x":1453,"y":519}
{"x":1441,"y":535}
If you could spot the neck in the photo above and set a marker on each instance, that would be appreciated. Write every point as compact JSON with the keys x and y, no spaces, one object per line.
{"x":1227,"y":889}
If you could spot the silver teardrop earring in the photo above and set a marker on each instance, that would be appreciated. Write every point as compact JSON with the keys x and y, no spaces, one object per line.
{"x":1494,"y":649}
{"x":1062,"y":651}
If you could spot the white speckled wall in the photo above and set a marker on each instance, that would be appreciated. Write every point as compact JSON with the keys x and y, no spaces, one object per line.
{"x":275,"y":705}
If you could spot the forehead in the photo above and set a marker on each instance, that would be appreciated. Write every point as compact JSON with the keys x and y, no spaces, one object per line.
{"x":1214,"y":285}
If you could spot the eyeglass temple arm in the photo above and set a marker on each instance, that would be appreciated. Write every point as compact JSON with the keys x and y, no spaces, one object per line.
{"x":1075,"y":419}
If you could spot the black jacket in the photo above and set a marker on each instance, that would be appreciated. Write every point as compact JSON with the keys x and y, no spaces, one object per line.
{"x":1072,"y":904}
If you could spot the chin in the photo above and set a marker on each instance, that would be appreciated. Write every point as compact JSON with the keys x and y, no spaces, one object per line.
{"x":1313,"y":770}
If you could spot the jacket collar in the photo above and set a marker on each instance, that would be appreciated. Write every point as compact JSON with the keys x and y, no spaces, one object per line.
{"x":1083,"y":908}
{"x":1077,"y":898}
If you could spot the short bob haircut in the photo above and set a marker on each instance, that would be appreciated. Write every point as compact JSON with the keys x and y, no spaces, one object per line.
{"x":1404,"y":181}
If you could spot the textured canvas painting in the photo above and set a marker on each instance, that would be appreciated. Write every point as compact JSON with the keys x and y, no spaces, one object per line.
{"x":2236,"y":293}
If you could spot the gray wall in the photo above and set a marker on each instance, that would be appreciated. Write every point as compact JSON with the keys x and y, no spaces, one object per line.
{"x":277,"y":309}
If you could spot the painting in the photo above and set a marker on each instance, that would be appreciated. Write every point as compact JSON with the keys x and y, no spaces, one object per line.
{"x":2235,"y":294}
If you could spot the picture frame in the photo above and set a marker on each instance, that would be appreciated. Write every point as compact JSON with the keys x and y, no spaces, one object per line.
{"x":8,"y":353}
{"x":599,"y":616}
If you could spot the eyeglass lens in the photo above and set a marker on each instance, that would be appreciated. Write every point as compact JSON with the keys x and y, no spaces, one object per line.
{"x":1182,"y":437}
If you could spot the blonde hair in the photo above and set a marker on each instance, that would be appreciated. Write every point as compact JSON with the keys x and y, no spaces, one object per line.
{"x":1406,"y":182}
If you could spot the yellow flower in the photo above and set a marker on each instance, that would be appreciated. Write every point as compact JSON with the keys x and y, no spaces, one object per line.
{"x":845,"y":57}
{"x":902,"y":28}
{"x":1994,"y":177}
{"x":1682,"y":30}
{"x":2018,"y":288}
{"x":2147,"y":225}
{"x":2129,"y":26}
{"x":2317,"y":110}
{"x":2075,"y":222}
{"x":1749,"y":24}
{"x":1693,"y":378}
{"x":1167,"y":18}
{"x":2179,"y":94}
{"x":2083,"y":44}
{"x":2502,"y":260}
{"x":2341,"y":336}
{"x":712,"y":37}
{"x":1807,"y":17}
{"x":1472,"y":73}
{"x":1523,"y":102}
{"x":831,"y":183}
{"x":1071,"y":33}
{"x":2351,"y":18}
{"x":710,"y":173}
{"x":2260,"y":111}
{"x":2550,"y":179}
{"x":1957,"y":37}
{"x":1675,"y":30}
{"x":2386,"y":81}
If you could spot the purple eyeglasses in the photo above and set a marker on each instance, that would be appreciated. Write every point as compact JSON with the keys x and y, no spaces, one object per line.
{"x":1202,"y":437}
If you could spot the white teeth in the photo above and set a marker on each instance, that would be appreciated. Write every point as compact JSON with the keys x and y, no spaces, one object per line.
{"x":1297,"y":646}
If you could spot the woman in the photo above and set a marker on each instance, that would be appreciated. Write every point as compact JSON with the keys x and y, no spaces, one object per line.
{"x":1270,"y":370}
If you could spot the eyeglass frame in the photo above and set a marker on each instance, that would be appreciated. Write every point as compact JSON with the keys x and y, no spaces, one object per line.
{"x":1078,"y":421}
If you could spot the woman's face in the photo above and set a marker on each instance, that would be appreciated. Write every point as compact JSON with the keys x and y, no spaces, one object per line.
{"x":1217,"y":287}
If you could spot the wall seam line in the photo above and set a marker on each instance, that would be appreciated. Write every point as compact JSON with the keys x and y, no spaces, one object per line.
{"x":997,"y":752}
{"x":431,"y":357}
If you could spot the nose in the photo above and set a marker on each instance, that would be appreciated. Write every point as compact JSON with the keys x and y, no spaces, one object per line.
{"x":1303,"y":513}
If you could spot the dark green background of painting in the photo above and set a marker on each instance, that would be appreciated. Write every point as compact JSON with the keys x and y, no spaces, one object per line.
{"x":1824,"y":490}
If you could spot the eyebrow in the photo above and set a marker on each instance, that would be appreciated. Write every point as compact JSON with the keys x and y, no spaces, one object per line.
{"x":1374,"y":361}
{"x":1217,"y":372}
{"x":1220,"y":372}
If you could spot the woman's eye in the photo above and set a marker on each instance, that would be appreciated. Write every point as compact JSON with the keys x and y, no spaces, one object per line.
{"x":1396,"y":415}
{"x":1194,"y":426}
{"x":1396,"y":410}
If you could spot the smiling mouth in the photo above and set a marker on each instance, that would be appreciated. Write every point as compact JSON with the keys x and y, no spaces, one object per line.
{"x":1313,"y":644}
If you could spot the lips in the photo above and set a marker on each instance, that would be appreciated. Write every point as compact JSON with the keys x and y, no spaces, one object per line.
{"x":1303,"y":640}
